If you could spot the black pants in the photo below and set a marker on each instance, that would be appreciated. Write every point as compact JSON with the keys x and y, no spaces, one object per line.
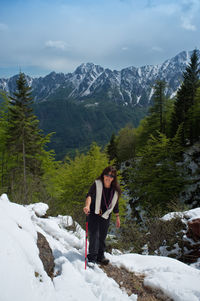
{"x":98,"y":229}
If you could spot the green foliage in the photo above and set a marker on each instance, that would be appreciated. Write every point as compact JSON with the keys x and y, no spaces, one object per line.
{"x":131,"y":237}
{"x":151,"y":235}
{"x":22,"y":151}
{"x":185,"y":100}
{"x":155,"y":176}
{"x":24,"y":138}
{"x":193,"y":122}
{"x":142,"y":134}
{"x":77,"y":125}
{"x":157,"y":117}
{"x":111,"y":148}
{"x":164,"y":233}
{"x":73,"y":179}
{"x":169,"y":109}
{"x":126,"y":143}
{"x":3,"y":137}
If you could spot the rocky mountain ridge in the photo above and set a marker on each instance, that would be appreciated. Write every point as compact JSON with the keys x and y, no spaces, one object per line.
{"x":89,"y":81}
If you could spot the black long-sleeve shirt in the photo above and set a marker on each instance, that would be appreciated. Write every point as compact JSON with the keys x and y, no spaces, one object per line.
{"x":107,"y":194}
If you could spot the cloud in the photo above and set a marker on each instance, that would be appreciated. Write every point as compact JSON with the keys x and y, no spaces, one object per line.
{"x":57,"y":45}
{"x":3,"y":27}
{"x":190,"y":9}
{"x":184,"y":10}
{"x":124,"y":48}
{"x":166,"y":9}
{"x":186,"y":23}
{"x":62,"y":34}
{"x":157,"y":49}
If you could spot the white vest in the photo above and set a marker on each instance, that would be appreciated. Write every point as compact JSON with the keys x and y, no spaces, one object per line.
{"x":99,"y":190}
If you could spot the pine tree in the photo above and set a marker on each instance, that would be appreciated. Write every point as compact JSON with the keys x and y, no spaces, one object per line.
{"x":158,"y":110}
{"x":112,"y":148}
{"x":194,"y":117}
{"x":157,"y":119}
{"x":25,"y":140}
{"x":126,"y":144}
{"x":155,"y":178}
{"x":185,"y":99}
{"x":3,"y":137}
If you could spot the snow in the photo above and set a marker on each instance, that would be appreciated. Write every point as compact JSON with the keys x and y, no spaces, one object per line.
{"x":189,"y":214}
{"x":40,"y":208}
{"x":174,"y":278}
{"x":138,"y":99}
{"x":94,"y":78}
{"x":151,"y":93}
{"x":23,"y":277}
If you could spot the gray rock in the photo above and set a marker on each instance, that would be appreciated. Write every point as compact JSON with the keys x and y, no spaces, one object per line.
{"x":45,"y":254}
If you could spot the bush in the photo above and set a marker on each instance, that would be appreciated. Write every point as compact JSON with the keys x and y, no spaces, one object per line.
{"x":163,"y":233}
{"x":151,"y":235}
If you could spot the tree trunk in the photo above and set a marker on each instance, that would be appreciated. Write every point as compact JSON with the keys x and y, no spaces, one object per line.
{"x":2,"y":168}
{"x":24,"y":167}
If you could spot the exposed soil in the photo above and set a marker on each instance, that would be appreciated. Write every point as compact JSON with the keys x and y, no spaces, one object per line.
{"x":133,"y":284}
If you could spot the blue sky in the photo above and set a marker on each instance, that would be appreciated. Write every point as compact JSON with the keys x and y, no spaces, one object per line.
{"x":39,"y":36}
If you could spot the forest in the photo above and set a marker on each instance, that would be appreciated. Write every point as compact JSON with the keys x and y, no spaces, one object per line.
{"x":149,"y":158}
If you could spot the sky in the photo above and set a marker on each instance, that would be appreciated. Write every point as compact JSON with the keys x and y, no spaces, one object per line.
{"x":19,"y":252}
{"x":41,"y":36}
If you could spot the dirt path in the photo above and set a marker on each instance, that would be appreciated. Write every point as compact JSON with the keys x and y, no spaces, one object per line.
{"x":133,"y":284}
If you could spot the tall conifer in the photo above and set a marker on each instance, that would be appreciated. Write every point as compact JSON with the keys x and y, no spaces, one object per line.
{"x":3,"y":137}
{"x":25,"y":140}
{"x":159,"y":107}
{"x":194,"y":117}
{"x":185,"y":99}
{"x":112,"y":148}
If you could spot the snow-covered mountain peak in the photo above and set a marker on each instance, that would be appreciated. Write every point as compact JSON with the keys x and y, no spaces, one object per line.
{"x":130,"y":85}
{"x":87,"y":68}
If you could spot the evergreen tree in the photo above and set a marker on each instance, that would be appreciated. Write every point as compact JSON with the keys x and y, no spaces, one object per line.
{"x":185,"y":99}
{"x":126,"y":143}
{"x":157,"y":120}
{"x":158,"y":110}
{"x":112,"y":148}
{"x":25,"y":141}
{"x":194,"y":117}
{"x":3,"y":138}
{"x":154,"y":177}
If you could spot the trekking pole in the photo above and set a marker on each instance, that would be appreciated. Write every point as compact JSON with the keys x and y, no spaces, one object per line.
{"x":86,"y":236}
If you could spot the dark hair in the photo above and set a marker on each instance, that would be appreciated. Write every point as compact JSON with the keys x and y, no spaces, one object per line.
{"x":114,"y":183}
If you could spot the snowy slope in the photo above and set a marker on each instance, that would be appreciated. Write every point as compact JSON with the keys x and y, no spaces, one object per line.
{"x":20,"y":263}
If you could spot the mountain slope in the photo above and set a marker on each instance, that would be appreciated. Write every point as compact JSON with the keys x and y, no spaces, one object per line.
{"x":78,"y":125}
{"x":23,"y":276}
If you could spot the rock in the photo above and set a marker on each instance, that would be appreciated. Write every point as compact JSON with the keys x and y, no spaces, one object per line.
{"x":192,"y":245}
{"x":45,"y":254}
{"x":194,"y":229}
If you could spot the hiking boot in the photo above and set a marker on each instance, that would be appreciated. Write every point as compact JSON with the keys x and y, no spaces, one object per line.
{"x":91,"y":263}
{"x":103,"y":261}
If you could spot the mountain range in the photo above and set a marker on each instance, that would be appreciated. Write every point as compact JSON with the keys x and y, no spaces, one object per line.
{"x":129,"y":86}
{"x":92,"y":102}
